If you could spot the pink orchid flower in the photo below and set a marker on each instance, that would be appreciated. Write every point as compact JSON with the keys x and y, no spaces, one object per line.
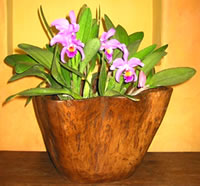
{"x":70,"y":46}
{"x":67,"y":37}
{"x":109,"y":45}
{"x":127,"y":68}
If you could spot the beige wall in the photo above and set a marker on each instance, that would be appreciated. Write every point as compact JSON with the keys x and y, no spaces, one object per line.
{"x":178,"y":26}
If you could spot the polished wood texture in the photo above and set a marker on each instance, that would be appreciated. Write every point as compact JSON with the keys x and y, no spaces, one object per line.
{"x":156,"y":169}
{"x":100,"y":139}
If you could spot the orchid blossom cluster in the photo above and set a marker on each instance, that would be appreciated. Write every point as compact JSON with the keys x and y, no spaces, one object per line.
{"x":124,"y":65}
{"x":67,"y":38}
{"x":67,"y":65}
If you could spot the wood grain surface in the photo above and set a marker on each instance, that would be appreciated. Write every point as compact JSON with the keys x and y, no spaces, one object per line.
{"x":156,"y":169}
{"x":100,"y":139}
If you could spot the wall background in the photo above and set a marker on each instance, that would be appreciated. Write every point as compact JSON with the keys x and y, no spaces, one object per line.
{"x":167,"y":21}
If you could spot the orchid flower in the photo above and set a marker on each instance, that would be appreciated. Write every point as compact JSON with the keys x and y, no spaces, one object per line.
{"x":142,"y":79}
{"x":67,"y":37}
{"x":109,"y":45}
{"x":70,"y":46}
{"x":127,"y":68}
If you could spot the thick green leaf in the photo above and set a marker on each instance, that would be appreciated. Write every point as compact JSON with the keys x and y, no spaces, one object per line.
{"x":112,"y":93}
{"x":82,"y":9}
{"x":94,"y":31}
{"x":66,"y":74}
{"x":161,"y":49}
{"x":121,"y":35}
{"x":134,"y":42}
{"x":56,"y":69}
{"x":102,"y":78}
{"x":90,"y":50}
{"x":15,"y":59}
{"x":116,"y":93}
{"x":30,"y":97}
{"x":65,"y":65}
{"x":151,"y":60}
{"x":136,"y":36}
{"x":22,"y":66}
{"x":42,"y":56}
{"x":43,"y":92}
{"x":150,"y":75}
{"x":34,"y":71}
{"x":172,"y":76}
{"x":133,"y":47}
{"x":85,"y":24}
{"x":108,"y":23}
{"x":144,"y":52}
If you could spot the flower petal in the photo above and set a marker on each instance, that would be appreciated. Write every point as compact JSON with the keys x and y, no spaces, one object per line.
{"x":72,"y":16}
{"x":113,"y":43}
{"x":118,"y":74}
{"x":125,"y":51}
{"x":133,"y":62}
{"x":106,"y":35}
{"x":62,"y":54}
{"x":57,"y":39}
{"x":80,"y":49}
{"x":117,"y":63}
{"x":61,"y":24}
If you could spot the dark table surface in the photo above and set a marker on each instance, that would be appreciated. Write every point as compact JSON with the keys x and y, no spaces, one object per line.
{"x":157,"y":168}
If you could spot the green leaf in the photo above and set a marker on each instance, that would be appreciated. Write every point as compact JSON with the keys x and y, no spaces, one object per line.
{"x":30,"y":97}
{"x":66,"y":74}
{"x":134,"y":42}
{"x":150,"y":75}
{"x":43,"y":92}
{"x":121,"y":35}
{"x":85,"y":24}
{"x":151,"y":60}
{"x":108,"y":23}
{"x":82,"y":9}
{"x":23,"y":66}
{"x":116,"y":93}
{"x":14,"y":59}
{"x":172,"y":76}
{"x":90,"y":50}
{"x":56,"y":69}
{"x":161,"y":49}
{"x":42,"y":56}
{"x":94,"y":31}
{"x":136,"y":36}
{"x":144,"y":52}
{"x":102,"y":78}
{"x":34,"y":71}
{"x":65,"y":65}
{"x":110,"y":82}
{"x":112,"y":93}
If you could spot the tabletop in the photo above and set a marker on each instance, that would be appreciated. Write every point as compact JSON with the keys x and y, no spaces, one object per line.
{"x":156,"y":169}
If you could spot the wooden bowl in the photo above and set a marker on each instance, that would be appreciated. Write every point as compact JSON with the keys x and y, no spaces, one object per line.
{"x":100,"y":139}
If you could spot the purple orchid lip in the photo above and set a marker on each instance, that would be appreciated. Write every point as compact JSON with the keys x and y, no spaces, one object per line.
{"x":67,"y":37}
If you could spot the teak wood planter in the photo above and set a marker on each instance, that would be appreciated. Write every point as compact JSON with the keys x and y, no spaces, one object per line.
{"x":100,"y":139}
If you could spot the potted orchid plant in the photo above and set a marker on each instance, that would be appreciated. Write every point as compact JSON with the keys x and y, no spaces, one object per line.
{"x":78,"y":64}
{"x":99,"y":104}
